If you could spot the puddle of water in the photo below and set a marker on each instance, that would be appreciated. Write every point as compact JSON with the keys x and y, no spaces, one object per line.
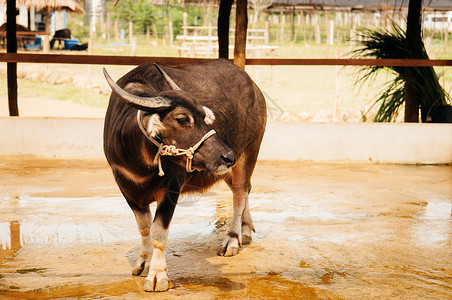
{"x":14,"y":235}
{"x":113,"y":289}
{"x":276,"y":287}
{"x":434,"y":224}
{"x":437,"y":211}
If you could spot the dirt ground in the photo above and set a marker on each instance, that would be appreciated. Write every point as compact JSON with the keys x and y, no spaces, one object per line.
{"x":323,"y":231}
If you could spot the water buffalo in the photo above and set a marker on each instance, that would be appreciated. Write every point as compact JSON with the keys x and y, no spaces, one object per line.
{"x":172,"y":130}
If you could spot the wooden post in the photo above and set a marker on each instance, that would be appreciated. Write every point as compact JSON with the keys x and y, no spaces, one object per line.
{"x":11,"y":45}
{"x":223,"y":28}
{"x":185,"y":23}
{"x":90,"y":46}
{"x":209,"y":40}
{"x":148,"y":34}
{"x":116,"y":36}
{"x":134,"y":47}
{"x":331,"y":40}
{"x":281,"y":32}
{"x":170,"y":28}
{"x":292,"y":23}
{"x":155,"y":30}
{"x":318,"y":38}
{"x":130,"y":32}
{"x":103,"y":34}
{"x":267,"y":32}
{"x":46,"y":45}
{"x":337,"y":114}
{"x":327,"y":28}
{"x":108,"y":26}
{"x":446,"y":32}
{"x":413,"y":40}
{"x":301,"y":16}
{"x":240,"y":33}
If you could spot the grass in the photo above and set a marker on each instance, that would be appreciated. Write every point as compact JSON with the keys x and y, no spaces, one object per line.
{"x":28,"y":88}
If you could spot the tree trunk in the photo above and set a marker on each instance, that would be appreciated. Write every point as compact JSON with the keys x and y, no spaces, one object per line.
{"x":241,"y":24}
{"x":223,"y":28}
{"x":11,"y":45}
{"x":413,"y":41}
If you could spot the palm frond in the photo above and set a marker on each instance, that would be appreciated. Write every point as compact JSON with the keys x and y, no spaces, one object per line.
{"x":391,"y":44}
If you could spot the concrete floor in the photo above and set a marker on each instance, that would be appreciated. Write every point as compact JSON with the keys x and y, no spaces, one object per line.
{"x":323,"y":231}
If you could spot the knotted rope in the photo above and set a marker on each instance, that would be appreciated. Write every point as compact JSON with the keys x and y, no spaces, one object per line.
{"x":171,"y":150}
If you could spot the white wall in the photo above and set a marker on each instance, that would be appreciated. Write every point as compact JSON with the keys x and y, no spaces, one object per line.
{"x":373,"y":142}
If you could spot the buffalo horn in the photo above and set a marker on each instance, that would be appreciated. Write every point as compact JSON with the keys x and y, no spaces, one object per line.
{"x":137,"y":101}
{"x":168,"y":79}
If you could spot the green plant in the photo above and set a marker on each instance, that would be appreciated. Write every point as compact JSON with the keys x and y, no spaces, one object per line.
{"x":143,"y":13}
{"x":391,"y":44}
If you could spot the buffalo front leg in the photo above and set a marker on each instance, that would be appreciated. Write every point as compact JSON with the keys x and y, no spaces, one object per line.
{"x":157,"y":279}
{"x":144,"y":219}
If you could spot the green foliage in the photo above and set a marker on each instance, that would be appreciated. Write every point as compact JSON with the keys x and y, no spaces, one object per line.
{"x":143,"y":13}
{"x":76,"y":24}
{"x":384,"y":44}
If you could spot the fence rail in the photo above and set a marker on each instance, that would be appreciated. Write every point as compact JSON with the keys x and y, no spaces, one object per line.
{"x":137,"y":60}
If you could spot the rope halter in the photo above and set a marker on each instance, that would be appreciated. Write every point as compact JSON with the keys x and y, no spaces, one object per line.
{"x":171,"y":150}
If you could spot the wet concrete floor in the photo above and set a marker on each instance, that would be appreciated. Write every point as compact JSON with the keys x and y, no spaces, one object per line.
{"x":323,"y":231}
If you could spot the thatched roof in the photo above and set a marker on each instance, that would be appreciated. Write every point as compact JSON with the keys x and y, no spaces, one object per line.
{"x":52,"y":5}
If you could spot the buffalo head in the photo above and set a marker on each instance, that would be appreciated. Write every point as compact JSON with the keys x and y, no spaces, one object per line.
{"x":174,"y":118}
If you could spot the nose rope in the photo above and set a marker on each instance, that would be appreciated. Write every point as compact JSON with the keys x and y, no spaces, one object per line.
{"x":171,"y":150}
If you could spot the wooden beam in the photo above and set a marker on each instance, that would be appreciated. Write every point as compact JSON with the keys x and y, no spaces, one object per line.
{"x":96,"y":59}
{"x":241,"y":24}
{"x":137,"y":60}
{"x":11,"y":48}
{"x":349,"y":62}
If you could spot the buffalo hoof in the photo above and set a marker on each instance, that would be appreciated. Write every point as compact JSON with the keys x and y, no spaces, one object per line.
{"x":157,"y":281}
{"x":230,"y":247}
{"x":246,"y":234}
{"x":246,"y":239}
{"x":141,"y":269}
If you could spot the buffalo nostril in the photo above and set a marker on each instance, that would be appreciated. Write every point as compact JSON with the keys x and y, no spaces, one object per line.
{"x":229,"y":159}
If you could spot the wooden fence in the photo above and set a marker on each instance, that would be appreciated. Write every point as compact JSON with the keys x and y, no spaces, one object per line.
{"x":137,"y":60}
{"x":14,"y":58}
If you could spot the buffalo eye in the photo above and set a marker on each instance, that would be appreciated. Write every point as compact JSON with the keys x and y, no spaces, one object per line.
{"x":183,"y":120}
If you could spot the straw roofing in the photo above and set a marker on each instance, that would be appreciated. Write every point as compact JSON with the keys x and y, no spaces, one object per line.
{"x":51,"y":5}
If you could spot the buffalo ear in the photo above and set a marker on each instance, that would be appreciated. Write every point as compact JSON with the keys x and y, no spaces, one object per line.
{"x":140,"y":102}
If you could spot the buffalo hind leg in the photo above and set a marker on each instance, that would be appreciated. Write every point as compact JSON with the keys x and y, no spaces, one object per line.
{"x":247,"y":224}
{"x":241,"y":224}
{"x":144,"y":219}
